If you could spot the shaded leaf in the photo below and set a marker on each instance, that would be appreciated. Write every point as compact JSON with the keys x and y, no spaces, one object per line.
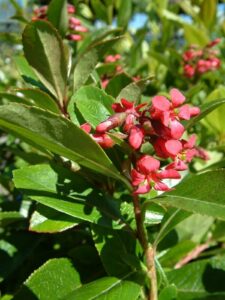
{"x":44,"y":51}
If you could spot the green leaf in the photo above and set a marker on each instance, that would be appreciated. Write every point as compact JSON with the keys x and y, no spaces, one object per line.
{"x":133,"y":91}
{"x":53,"y":280}
{"x":88,"y":61}
{"x":195,"y":36}
{"x":169,"y":293}
{"x":46,"y":185}
{"x":117,"y":83}
{"x":116,"y":250}
{"x":124,"y":13}
{"x":48,"y":220}
{"x":200,"y":280}
{"x":40,"y":99}
{"x":173,"y":217}
{"x":93,"y":103}
{"x":99,"y":9}
{"x":215,"y":120}
{"x":208,"y":12}
{"x":57,"y":15}
{"x":206,"y":108}
{"x":203,"y":194}
{"x":173,"y":255}
{"x":44,"y":51}
{"x":58,"y":135}
{"x":8,"y":217}
{"x":14,"y":98}
{"x":107,"y":288}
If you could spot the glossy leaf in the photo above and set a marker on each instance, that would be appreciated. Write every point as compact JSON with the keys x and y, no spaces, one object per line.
{"x":42,"y":183}
{"x":197,"y":194}
{"x":57,"y":15}
{"x":133,"y":91}
{"x":88,"y":61}
{"x":40,"y":99}
{"x":43,"y":49}
{"x":58,"y":135}
{"x":116,"y":250}
{"x":93,"y":103}
{"x":48,"y":220}
{"x":53,"y":280}
{"x":117,"y":83}
{"x":199,"y":280}
{"x":107,"y":288}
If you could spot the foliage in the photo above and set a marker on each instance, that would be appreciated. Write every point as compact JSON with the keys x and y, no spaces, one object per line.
{"x":75,"y":224}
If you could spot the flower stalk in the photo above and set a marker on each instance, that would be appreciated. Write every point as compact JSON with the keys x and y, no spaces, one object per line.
{"x":148,"y":250}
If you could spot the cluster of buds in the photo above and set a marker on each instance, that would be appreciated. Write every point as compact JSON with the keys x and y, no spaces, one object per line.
{"x":157,"y":123}
{"x":114,"y":59}
{"x":111,"y":59}
{"x":75,"y":27}
{"x":197,"y":61}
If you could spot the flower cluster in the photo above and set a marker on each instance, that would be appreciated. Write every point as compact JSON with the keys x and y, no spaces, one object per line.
{"x":115,"y":69}
{"x":111,"y":59}
{"x":197,"y":61}
{"x":157,"y":123}
{"x":75,"y":27}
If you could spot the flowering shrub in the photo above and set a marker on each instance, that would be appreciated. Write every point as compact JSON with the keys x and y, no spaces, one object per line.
{"x":197,"y":61}
{"x":75,"y":28}
{"x":112,"y":186}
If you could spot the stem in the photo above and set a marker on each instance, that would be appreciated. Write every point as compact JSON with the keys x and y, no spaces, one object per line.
{"x":149,"y":251}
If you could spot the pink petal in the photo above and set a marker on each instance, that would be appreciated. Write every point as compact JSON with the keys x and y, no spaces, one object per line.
{"x":129,"y":122}
{"x":86,"y":127}
{"x":160,"y":186}
{"x":127,"y":104}
{"x":117,"y":107}
{"x":147,"y":164}
{"x":184,"y":112}
{"x":136,"y":177}
{"x":159,"y":146}
{"x":160,"y":103}
{"x":191,"y":142}
{"x":177,"y":129}
{"x":173,"y":147}
{"x":136,"y":137}
{"x":143,"y":189}
{"x":171,"y":174}
{"x":194,"y":111}
{"x":177,"y":97}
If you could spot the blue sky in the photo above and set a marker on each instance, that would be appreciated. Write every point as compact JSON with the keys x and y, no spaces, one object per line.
{"x":6,"y":11}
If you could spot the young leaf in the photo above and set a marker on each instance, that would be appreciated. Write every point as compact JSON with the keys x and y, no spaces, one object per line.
{"x":44,"y":51}
{"x":197,"y":194}
{"x":58,"y":135}
{"x":57,"y":15}
{"x":53,"y":280}
{"x":93,"y":103}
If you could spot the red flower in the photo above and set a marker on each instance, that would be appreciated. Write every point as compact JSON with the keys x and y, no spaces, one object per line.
{"x":102,"y":139}
{"x":147,"y":175}
{"x":168,"y":114}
